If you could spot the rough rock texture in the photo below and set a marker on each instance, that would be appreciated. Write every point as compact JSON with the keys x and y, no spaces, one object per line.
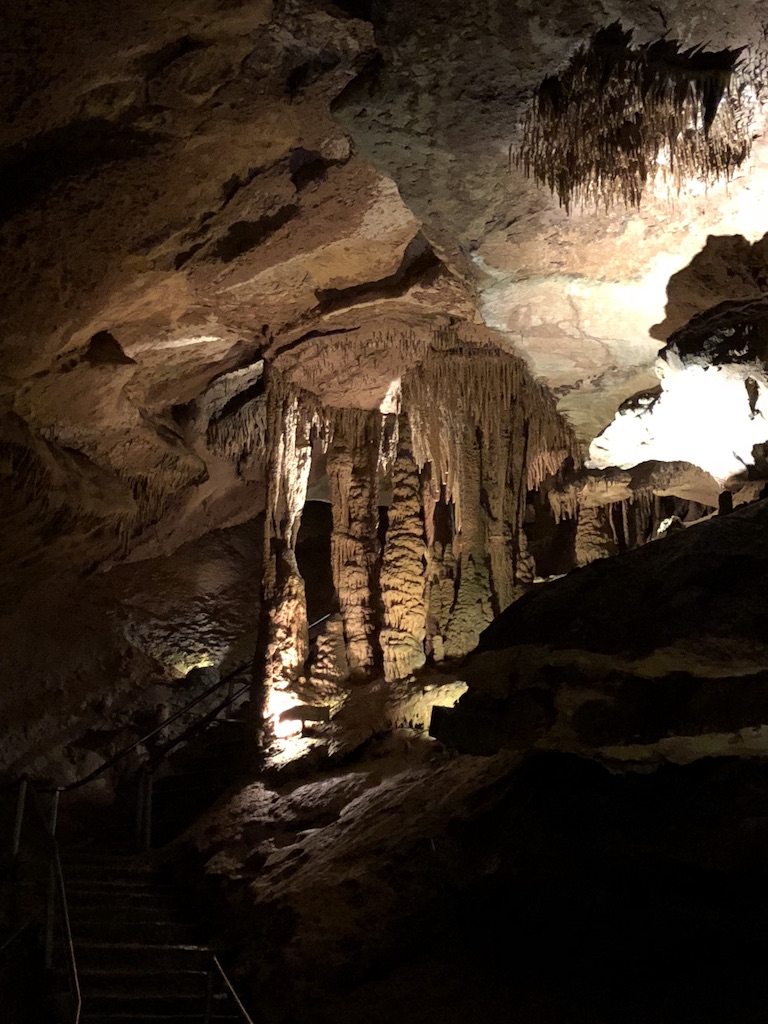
{"x":594,"y":535}
{"x":658,"y":653}
{"x":353,"y":458}
{"x":402,"y":568}
{"x":575,"y":294}
{"x":86,"y":656}
{"x":429,"y":888}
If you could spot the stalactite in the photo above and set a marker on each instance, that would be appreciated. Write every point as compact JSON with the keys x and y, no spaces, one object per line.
{"x":644,"y":520}
{"x":239,"y":435}
{"x":621,"y":113}
{"x":352,"y":461}
{"x":402,"y":572}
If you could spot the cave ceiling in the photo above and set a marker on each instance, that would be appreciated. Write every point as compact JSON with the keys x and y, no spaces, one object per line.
{"x":190,"y":188}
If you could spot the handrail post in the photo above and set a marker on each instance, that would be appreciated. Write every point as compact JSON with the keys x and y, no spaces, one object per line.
{"x":146,"y":836}
{"x":19,"y":817}
{"x":54,"y":811}
{"x":208,"y":1011}
{"x":51,"y":907}
{"x":140,"y":807}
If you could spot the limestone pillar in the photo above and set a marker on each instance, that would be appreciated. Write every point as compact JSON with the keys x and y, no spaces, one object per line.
{"x":402,"y":571}
{"x":352,"y":473}
{"x":283,"y":642}
{"x":595,"y":537}
{"x":473,"y":608}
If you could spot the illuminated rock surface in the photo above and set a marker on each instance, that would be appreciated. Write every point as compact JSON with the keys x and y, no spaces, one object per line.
{"x":299,"y":369}
{"x":657,"y":654}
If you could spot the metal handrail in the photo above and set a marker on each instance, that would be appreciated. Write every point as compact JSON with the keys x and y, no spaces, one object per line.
{"x":57,"y":883}
{"x":159,"y":728}
{"x":235,"y":997}
{"x":15,"y":936}
{"x":56,"y":878}
{"x":116,"y":758}
{"x":144,"y":805}
{"x":163,"y":752}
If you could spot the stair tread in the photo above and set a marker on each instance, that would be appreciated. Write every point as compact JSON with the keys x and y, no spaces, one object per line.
{"x":96,"y":944}
{"x":89,"y":999}
{"x":138,"y":885}
{"x":156,"y":1018}
{"x":135,"y":972}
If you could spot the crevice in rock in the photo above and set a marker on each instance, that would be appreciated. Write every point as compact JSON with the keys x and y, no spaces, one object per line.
{"x":419,"y":265}
{"x":80,"y":148}
{"x":244,"y":235}
{"x":105,"y":350}
{"x":152,"y":64}
{"x":307,"y":166}
{"x":306,"y":74}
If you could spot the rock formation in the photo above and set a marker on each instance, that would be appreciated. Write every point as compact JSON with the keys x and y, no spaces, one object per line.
{"x":330,"y":343}
{"x":403,"y":580}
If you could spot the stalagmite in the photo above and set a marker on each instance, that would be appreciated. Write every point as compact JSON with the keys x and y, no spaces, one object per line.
{"x":594,"y":534}
{"x":402,"y":571}
{"x":352,"y":462}
{"x":330,"y":668}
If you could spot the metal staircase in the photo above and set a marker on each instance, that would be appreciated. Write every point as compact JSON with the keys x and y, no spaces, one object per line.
{"x":122,"y":945}
{"x":140,"y":951}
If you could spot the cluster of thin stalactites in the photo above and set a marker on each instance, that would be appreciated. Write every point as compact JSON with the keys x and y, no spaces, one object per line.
{"x":459,"y":399}
{"x":620,"y":116}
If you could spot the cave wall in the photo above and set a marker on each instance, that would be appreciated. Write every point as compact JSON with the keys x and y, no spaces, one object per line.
{"x":201,"y":199}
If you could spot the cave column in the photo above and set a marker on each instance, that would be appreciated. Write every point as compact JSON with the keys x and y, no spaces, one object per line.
{"x":283,"y":638}
{"x":472,"y":610}
{"x":352,"y":464}
{"x":402,"y":572}
{"x":441,"y":566}
{"x":595,"y":536}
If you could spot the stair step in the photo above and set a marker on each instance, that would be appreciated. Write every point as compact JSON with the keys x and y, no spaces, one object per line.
{"x":111,"y":885}
{"x":122,"y":981}
{"x":114,"y":930}
{"x":125,"y":855}
{"x":96,"y":893}
{"x":149,"y":1003}
{"x":107,"y":869}
{"x":137,"y":916}
{"x":103,"y":955}
{"x":125,"y":1017}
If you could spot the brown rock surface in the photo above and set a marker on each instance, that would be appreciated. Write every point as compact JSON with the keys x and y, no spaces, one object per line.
{"x":639,"y":654}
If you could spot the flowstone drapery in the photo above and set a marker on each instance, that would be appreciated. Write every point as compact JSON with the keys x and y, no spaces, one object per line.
{"x":458,"y":444}
{"x":490,"y":434}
